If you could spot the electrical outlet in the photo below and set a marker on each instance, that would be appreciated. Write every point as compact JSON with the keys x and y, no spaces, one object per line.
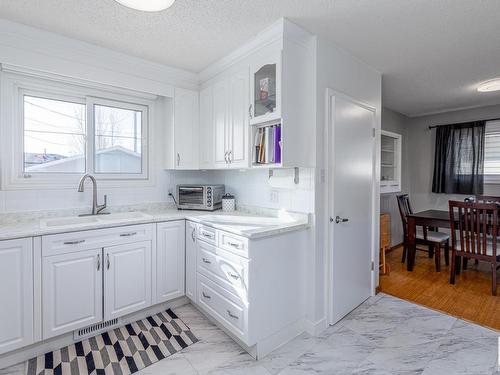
{"x":274,"y":197}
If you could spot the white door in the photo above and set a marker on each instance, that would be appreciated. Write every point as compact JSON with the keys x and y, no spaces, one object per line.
{"x":170,"y":260}
{"x":206,"y":129}
{"x":127,"y":278}
{"x":220,"y":123}
{"x":16,"y":294}
{"x":351,"y":184}
{"x":238,"y":119}
{"x":71,"y":291}
{"x":186,"y":128}
{"x":191,"y":260}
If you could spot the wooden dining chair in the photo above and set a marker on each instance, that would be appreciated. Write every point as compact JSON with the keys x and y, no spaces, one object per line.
{"x":474,"y":234}
{"x":432,"y":239}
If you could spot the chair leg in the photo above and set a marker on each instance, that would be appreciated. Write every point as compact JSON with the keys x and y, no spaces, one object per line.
{"x":493,"y":279}
{"x":437,"y":258}
{"x":431,"y":251}
{"x":476,"y":262}
{"x":405,"y":249}
{"x":452,"y":268}
{"x":447,"y":253}
{"x":458,"y":264}
{"x":465,"y":261}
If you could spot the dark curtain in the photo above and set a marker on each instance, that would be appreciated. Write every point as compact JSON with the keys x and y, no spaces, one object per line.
{"x":459,"y":158}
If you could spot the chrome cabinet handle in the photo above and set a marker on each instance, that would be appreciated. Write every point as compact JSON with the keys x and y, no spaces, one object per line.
{"x":193,"y":234}
{"x":205,"y":260}
{"x":107,"y":261}
{"x":233,"y":244}
{"x":250,"y":111}
{"x":208,"y":235}
{"x":339,"y":219}
{"x":178,"y":159}
{"x":98,"y":262}
{"x":232,"y":315}
{"x":229,"y":157}
{"x":230,"y":274}
{"x":205,"y":295}
{"x":128,"y":234}
{"x":226,"y":157}
{"x":74,"y":242}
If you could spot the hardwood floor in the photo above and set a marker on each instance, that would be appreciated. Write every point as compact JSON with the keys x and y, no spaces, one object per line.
{"x":470,"y":298}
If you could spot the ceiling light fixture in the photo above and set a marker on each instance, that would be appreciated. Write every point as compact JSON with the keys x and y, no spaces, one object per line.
{"x":147,"y":5}
{"x":490,"y":85}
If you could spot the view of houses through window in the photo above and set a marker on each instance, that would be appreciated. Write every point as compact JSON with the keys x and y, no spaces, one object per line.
{"x":56,"y":133}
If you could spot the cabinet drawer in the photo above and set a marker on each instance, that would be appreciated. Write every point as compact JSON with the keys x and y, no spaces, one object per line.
{"x":207,"y":234}
{"x":92,"y":239}
{"x":228,"y":270}
{"x":221,"y":305}
{"x":233,"y":243}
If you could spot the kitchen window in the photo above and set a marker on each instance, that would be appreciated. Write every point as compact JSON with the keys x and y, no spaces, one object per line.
{"x":56,"y":132}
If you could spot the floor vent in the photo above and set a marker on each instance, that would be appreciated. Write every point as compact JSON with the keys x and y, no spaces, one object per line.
{"x":95,"y":329}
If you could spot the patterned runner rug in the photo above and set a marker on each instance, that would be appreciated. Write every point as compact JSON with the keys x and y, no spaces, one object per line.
{"x":120,"y":351}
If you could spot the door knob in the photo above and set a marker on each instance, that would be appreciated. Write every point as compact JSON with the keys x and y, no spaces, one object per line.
{"x":339,"y":219}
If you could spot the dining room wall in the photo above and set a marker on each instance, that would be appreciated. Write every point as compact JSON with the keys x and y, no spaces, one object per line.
{"x":396,"y":123}
{"x":420,"y":153}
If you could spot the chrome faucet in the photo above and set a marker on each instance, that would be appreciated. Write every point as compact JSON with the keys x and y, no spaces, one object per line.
{"x":96,"y":208}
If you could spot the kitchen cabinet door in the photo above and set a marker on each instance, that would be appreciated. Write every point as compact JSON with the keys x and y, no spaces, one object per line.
{"x":170,"y":260}
{"x":238,"y":132}
{"x":191,"y":246}
{"x":206,"y":129}
{"x":71,"y":291}
{"x":127,"y":278}
{"x":186,"y":129}
{"x":265,"y":86}
{"x":16,"y":294}
{"x":220,"y":123}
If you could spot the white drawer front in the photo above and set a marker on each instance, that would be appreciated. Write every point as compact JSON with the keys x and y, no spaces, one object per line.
{"x":207,"y":234}
{"x":218,"y":302}
{"x":233,"y":243}
{"x":92,"y":239}
{"x":227,"y":270}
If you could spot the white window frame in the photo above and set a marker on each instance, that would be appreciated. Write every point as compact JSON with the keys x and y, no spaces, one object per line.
{"x":491,"y":179}
{"x":13,"y":88}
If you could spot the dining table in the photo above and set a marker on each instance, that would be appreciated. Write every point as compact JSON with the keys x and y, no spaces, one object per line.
{"x":427,"y":218}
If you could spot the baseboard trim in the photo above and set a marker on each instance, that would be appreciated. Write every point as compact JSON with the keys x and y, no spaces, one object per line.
{"x":42,"y":347}
{"x":315,"y":328}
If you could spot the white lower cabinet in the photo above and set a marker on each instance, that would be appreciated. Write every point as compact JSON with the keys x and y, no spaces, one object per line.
{"x":72,"y":291}
{"x":16,"y":294}
{"x":170,"y":260}
{"x":127,"y":279}
{"x":191,"y":260}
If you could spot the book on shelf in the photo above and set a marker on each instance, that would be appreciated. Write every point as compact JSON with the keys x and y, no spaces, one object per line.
{"x":267,"y":145}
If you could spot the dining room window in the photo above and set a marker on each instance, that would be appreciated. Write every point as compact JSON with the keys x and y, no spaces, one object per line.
{"x":492,"y":152}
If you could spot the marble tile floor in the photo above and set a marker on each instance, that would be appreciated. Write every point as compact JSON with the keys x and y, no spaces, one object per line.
{"x":383,"y":336}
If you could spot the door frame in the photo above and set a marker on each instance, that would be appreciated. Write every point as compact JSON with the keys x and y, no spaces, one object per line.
{"x":329,"y":161}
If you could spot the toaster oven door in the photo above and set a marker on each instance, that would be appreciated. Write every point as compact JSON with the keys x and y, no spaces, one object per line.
{"x":191,"y":197}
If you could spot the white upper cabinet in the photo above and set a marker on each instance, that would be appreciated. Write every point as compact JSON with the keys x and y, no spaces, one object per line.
{"x":185,"y":130}
{"x":71,"y":291}
{"x":207,"y":135}
{"x":265,"y":87}
{"x":16,"y":294}
{"x":237,"y":130}
{"x":127,"y":278}
{"x":170,"y":260}
{"x":220,"y":123}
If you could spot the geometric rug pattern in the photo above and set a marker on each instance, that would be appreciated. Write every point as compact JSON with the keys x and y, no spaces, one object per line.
{"x":120,"y":351}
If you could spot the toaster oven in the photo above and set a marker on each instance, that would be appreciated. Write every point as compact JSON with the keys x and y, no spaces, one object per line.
{"x":200,"y":197}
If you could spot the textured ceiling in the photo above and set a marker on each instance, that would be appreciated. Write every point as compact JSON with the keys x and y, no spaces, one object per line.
{"x":432,"y":53}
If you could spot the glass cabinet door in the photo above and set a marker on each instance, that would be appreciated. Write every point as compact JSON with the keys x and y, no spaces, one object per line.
{"x":265,"y":93}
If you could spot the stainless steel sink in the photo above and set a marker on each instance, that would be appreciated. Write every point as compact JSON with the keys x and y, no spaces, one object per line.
{"x":76,"y":221}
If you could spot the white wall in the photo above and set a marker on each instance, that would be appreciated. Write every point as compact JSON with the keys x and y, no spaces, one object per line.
{"x":337,"y":69}
{"x":421,"y":155}
{"x":397,"y":123}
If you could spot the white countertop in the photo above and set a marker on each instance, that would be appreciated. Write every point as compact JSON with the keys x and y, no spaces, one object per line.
{"x":243,"y":224}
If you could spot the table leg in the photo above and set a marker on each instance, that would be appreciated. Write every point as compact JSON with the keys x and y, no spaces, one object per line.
{"x":412,"y":228}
